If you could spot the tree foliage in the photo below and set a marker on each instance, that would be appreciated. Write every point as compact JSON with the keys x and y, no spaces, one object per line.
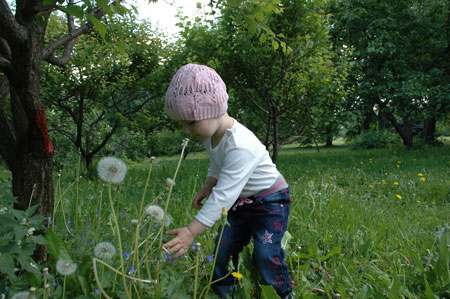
{"x":105,"y":85}
{"x":402,"y":50}
{"x":281,"y":85}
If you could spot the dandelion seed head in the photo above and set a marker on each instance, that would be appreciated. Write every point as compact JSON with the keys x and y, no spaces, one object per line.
{"x":104,"y":250}
{"x":169,"y":183}
{"x":157,"y":213}
{"x":111,"y":170}
{"x":65,"y":267}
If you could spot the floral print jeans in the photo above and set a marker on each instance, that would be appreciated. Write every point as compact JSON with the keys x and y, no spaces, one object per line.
{"x":265,"y":219}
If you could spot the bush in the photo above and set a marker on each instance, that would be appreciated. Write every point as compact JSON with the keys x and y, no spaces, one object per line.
{"x":167,"y":142}
{"x":370,"y":139}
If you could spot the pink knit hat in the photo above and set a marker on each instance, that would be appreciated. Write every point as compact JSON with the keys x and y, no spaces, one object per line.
{"x":196,"y":92}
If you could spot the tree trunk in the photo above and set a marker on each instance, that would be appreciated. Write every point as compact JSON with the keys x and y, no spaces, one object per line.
{"x":429,"y":128}
{"x":366,"y":121}
{"x":329,"y":139}
{"x":405,"y":130}
{"x":32,"y":180}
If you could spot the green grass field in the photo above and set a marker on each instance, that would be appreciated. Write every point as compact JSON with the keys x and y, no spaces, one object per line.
{"x":364,"y":224}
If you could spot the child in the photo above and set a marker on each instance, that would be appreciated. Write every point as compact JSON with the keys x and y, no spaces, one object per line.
{"x":241,"y":178}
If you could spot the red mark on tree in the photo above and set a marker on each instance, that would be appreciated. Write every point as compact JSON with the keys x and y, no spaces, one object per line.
{"x":42,"y":124}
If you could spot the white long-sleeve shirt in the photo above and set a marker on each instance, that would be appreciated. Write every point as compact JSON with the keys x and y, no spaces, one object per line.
{"x":242,"y":167}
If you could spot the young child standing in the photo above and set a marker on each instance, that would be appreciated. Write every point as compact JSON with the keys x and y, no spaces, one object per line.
{"x":241,"y":178}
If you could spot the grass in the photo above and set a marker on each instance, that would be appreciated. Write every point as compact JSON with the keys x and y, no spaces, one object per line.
{"x":364,"y":224}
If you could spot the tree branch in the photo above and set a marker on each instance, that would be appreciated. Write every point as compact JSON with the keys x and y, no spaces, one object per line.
{"x":5,"y":50}
{"x":10,"y":29}
{"x":68,"y":46}
{"x":106,"y":139}
{"x":8,"y":144}
{"x":66,"y":39}
{"x":5,"y":65}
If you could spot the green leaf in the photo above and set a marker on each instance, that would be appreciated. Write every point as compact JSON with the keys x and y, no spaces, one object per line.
{"x":275,"y":44}
{"x":39,"y":239}
{"x":27,"y":263}
{"x":268,"y":292}
{"x":73,"y":10}
{"x":428,"y":292}
{"x":395,"y":288}
{"x":335,"y":250}
{"x":7,"y":265}
{"x":46,"y":3}
{"x":98,"y":26}
{"x":30,"y":211}
{"x":55,"y":245}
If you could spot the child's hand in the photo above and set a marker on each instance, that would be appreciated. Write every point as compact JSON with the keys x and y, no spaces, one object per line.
{"x":180,"y":244}
{"x":202,"y":194}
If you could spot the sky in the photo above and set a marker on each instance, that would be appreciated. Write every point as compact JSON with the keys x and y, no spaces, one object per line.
{"x":162,"y":14}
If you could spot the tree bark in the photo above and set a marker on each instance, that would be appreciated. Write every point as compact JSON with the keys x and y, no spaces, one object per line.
{"x":429,"y":128}
{"x":329,"y":137}
{"x":405,"y":130}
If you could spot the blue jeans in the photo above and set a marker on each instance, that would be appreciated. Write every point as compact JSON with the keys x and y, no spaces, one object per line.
{"x":265,"y":219}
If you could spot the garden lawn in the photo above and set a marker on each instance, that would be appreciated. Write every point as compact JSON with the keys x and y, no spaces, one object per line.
{"x":363,"y":224}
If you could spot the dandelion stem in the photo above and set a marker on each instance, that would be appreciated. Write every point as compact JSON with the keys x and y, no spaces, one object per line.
{"x":96,"y":260}
{"x":185,"y":143}
{"x":64,"y":287}
{"x":122,"y":267}
{"x":136,"y":254}
{"x":99,"y":219}
{"x":196,"y":274}
{"x":215,"y":258}
{"x":213,"y":282}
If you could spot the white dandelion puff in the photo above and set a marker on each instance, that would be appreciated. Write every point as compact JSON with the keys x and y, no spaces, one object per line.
{"x":157,"y":213}
{"x":104,"y":250}
{"x":65,"y":267}
{"x":23,"y":295}
{"x":168,"y":220}
{"x":285,"y":240}
{"x":111,"y":170}
{"x":169,"y":183}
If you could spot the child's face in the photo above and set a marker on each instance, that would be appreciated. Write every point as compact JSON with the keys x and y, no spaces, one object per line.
{"x":200,"y":129}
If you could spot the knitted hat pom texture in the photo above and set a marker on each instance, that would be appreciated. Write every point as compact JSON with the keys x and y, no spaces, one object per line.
{"x":196,"y":92}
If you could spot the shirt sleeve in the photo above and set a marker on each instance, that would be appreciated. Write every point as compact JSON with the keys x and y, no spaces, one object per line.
{"x":212,"y":172}
{"x":238,"y":166}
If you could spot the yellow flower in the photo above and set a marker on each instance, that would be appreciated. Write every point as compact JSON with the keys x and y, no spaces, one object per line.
{"x":420,"y":174}
{"x":378,"y":183}
{"x":399,"y":196}
{"x":384,"y":181}
{"x":331,"y":177}
{"x":423,"y":179}
{"x":237,"y":275}
{"x":371,"y":186}
{"x":395,"y":183}
{"x":399,"y":162}
{"x":398,"y":166}
{"x":418,"y":201}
